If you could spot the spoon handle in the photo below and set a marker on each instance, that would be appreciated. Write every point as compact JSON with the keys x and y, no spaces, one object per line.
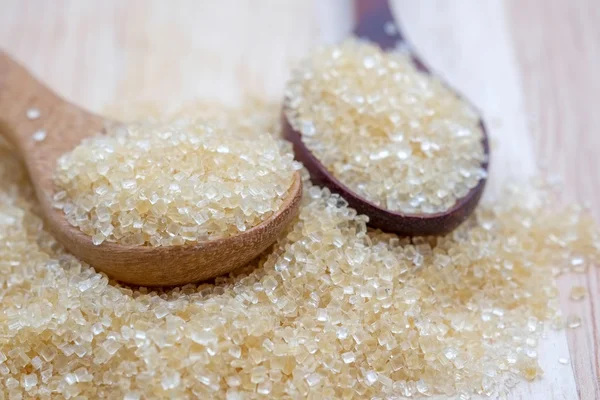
{"x":38,"y":123}
{"x":23,"y":101}
{"x":375,"y":22}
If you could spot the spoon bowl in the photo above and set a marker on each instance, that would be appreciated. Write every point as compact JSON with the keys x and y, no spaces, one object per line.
{"x":376,"y":24}
{"x":27,"y":107}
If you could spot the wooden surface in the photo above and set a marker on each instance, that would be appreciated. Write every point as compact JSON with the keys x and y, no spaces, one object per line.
{"x":530,"y":65}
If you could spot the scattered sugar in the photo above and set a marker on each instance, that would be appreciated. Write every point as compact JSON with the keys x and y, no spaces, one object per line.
{"x":332,"y":310}
{"x":33,"y":113}
{"x":39,"y":136}
{"x":578,"y":293}
{"x":573,"y":321}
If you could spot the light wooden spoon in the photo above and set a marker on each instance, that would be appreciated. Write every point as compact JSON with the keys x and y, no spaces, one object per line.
{"x":66,"y":125}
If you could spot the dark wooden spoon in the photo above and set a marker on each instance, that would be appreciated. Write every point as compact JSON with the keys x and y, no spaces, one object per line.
{"x":376,"y":24}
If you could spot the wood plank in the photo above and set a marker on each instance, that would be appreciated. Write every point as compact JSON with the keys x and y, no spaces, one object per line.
{"x":108,"y":51}
{"x":469,"y":44}
{"x":556,"y":43}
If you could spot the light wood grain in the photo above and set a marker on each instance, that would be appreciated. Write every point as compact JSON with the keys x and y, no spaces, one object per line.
{"x":530,"y":66}
{"x":557,"y":46}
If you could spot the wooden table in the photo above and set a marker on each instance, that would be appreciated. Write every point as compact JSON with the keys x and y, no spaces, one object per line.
{"x":531,"y":65}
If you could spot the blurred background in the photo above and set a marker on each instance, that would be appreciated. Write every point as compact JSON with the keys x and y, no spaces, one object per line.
{"x":531,"y":66}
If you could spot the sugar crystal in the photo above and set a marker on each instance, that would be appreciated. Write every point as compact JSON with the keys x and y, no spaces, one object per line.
{"x":33,"y":113}
{"x":170,"y":380}
{"x":29,"y":381}
{"x":313,"y":379}
{"x":348,"y":357}
{"x":573,"y":321}
{"x":39,"y":135}
{"x":371,"y":377}
{"x":578,"y":293}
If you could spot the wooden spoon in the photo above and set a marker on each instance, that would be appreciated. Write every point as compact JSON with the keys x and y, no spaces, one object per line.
{"x":376,"y":24}
{"x":65,"y":126}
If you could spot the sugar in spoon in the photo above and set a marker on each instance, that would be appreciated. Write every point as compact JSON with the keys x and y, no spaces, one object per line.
{"x":375,"y":23}
{"x":42,"y":126}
